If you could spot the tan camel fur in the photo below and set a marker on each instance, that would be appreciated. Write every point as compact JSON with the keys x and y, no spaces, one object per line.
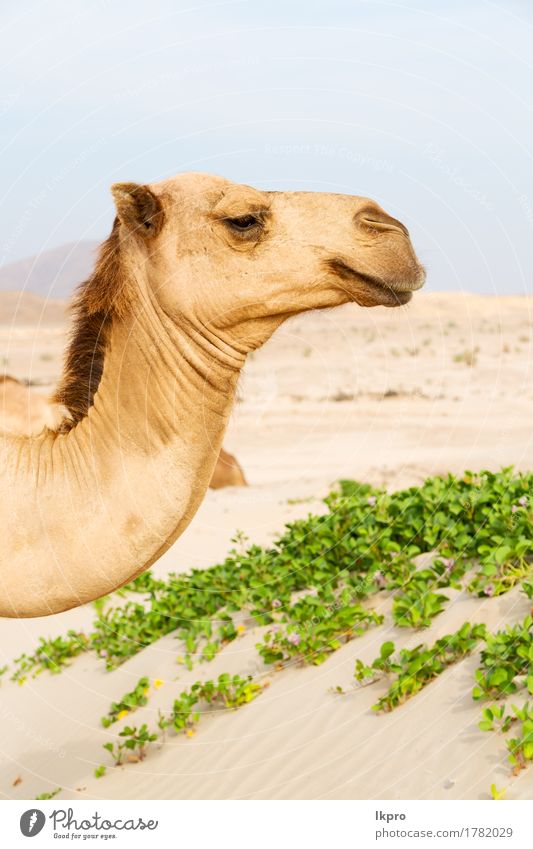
{"x":196,"y":273}
{"x":228,"y":472}
{"x":23,"y":411}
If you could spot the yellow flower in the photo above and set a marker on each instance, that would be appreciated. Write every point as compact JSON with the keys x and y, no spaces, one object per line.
{"x":497,"y":794}
{"x":147,"y":690}
{"x":122,"y":714}
{"x":158,"y":683}
{"x":189,"y":732}
{"x":241,"y":629}
{"x":180,"y":658}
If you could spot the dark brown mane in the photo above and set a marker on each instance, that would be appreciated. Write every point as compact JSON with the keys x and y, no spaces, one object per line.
{"x":97,"y":301}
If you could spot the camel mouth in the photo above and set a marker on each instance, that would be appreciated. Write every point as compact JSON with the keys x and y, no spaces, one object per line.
{"x":381,"y":294}
{"x":371,"y":291}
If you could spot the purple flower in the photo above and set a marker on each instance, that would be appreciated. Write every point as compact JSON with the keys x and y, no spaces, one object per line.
{"x":448,"y":563}
{"x":276,"y":603}
{"x":372,"y":500}
{"x":523,"y":501}
{"x":294,"y":639}
{"x":514,"y":508}
{"x":489,"y":590}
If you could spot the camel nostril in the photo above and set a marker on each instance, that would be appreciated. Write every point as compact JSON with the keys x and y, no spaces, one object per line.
{"x":374,"y":220}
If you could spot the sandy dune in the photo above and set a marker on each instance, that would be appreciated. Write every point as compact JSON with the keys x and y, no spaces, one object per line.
{"x":385,"y":396}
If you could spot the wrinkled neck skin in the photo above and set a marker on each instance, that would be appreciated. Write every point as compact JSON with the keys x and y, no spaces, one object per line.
{"x":86,"y":511}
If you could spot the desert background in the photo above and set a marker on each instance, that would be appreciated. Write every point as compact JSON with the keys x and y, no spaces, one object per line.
{"x":423,"y":107}
{"x":388,"y":397}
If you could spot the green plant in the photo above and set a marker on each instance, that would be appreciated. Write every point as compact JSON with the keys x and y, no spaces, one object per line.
{"x":497,"y":794}
{"x":51,"y":795}
{"x":312,"y":590}
{"x":230,"y":691}
{"x":417,"y":667}
{"x":382,"y":665}
{"x":115,"y":750}
{"x":416,"y":607}
{"x":183,"y":717}
{"x":507,"y":655}
{"x":478,"y":524}
{"x":51,"y":654}
{"x":502,"y":568}
{"x":468,"y":357}
{"x":521,"y":747}
{"x":506,"y":667}
{"x":316,"y":633}
{"x":138,"y":697}
{"x":136,"y":739}
{"x":494,"y":719}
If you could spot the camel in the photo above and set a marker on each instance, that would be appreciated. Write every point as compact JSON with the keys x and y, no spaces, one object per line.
{"x":197,"y":273}
{"x":228,"y":472}
{"x":25,"y":412}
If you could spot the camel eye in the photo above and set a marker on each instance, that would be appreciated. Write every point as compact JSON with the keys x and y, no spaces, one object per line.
{"x":243,"y":224}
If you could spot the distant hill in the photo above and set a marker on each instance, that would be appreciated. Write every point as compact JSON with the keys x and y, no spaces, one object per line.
{"x":52,"y":274}
{"x":27,"y":309}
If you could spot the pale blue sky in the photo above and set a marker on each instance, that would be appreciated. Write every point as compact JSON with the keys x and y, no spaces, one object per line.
{"x":425,"y":106}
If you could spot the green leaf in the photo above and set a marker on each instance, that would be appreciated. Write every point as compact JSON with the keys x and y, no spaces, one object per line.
{"x":528,"y":750}
{"x":386,"y":650}
{"x":499,"y":676}
{"x":501,"y":554}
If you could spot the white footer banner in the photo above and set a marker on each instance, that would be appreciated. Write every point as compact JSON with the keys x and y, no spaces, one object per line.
{"x":268,"y":825}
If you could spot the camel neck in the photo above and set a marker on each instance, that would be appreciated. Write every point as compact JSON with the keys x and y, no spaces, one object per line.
{"x":159,"y":380}
{"x":88,"y":510}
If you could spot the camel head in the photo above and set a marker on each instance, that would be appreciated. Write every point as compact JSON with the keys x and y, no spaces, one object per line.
{"x":234,"y":262}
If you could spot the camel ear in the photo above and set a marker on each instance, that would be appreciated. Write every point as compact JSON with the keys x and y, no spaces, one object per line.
{"x":138,"y":208}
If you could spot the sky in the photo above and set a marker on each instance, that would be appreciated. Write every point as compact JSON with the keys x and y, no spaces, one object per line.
{"x":423,"y":106}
